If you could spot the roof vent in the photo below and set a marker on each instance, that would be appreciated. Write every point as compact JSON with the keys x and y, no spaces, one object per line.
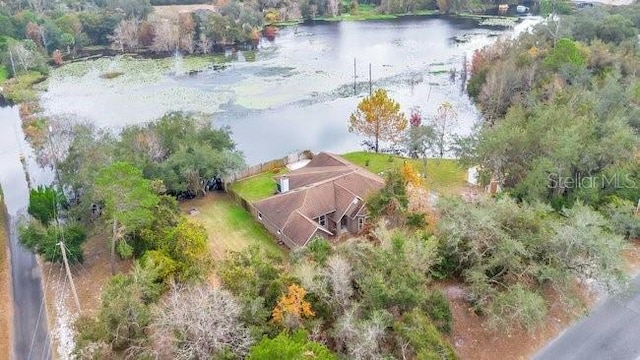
{"x":283,"y":184}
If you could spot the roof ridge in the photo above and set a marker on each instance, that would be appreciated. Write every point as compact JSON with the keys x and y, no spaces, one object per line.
{"x":313,"y":222}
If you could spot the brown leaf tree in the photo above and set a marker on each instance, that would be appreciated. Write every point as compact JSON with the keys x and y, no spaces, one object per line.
{"x":379,"y":117}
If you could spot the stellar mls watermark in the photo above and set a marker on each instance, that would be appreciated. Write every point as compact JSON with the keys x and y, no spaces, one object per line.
{"x":617,"y":181}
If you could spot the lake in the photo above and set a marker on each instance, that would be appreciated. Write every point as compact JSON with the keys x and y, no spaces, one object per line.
{"x":295,"y":92}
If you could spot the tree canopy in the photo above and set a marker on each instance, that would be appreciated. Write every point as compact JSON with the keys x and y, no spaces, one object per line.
{"x":379,"y":118}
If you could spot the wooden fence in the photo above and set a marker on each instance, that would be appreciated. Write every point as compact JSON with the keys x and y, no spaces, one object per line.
{"x":268,"y":166}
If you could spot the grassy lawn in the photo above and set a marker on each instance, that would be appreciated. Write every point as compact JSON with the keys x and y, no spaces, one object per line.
{"x":4,"y":73}
{"x":230,"y":227}
{"x":442,"y":175}
{"x":257,"y":187}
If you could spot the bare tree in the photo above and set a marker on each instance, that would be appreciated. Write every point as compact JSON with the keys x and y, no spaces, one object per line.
{"x":333,"y":7}
{"x":340,"y":274}
{"x":201,"y":322}
{"x":125,"y":35}
{"x":444,"y":123}
{"x":167,"y":36}
{"x":204,"y":44}
{"x":149,"y":143}
{"x":186,"y":28}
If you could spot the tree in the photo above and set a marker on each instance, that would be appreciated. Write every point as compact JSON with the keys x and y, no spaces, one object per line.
{"x":45,"y":240}
{"x":44,"y":202}
{"x":125,"y":35}
{"x":128,"y":200}
{"x":294,"y":347}
{"x":378,"y":117}
{"x":333,"y":8}
{"x":419,"y":139}
{"x":202,"y":322}
{"x":166,"y":36}
{"x":506,"y":251}
{"x":444,"y":123}
{"x":122,"y":321}
{"x":187,"y":246}
{"x":292,"y":307}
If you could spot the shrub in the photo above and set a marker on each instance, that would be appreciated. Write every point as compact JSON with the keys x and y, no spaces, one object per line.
{"x":566,"y":51}
{"x":517,"y":305}
{"x":437,"y":308}
{"x":45,"y":240}
{"x":416,"y":220}
{"x":296,"y":347}
{"x":423,"y":338}
{"x":44,"y":202}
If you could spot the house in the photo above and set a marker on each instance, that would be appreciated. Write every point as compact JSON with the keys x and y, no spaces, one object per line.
{"x":324,"y":198}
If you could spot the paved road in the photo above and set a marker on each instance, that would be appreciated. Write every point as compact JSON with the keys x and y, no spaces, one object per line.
{"x":30,"y":336}
{"x":30,"y":330}
{"x":611,"y":332}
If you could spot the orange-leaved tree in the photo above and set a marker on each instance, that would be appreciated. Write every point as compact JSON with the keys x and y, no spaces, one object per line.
{"x":410,"y":175}
{"x":378,"y":117}
{"x":292,"y":306}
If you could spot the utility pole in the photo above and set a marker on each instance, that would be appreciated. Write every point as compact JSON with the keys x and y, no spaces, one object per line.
{"x":370,"y":91}
{"x":66,"y":266}
{"x":354,"y":77}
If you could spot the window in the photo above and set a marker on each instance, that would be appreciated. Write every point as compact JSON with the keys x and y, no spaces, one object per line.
{"x":322,"y":220}
{"x":360,"y":223}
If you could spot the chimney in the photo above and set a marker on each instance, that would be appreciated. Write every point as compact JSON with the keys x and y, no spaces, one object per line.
{"x":283,"y":184}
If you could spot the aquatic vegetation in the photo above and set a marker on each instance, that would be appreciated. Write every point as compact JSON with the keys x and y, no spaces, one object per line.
{"x":499,"y":21}
{"x":111,"y":74}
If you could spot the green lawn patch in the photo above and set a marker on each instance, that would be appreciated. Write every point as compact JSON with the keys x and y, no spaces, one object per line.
{"x":4,"y":73}
{"x":257,"y":187}
{"x":229,"y":226}
{"x":444,"y":176}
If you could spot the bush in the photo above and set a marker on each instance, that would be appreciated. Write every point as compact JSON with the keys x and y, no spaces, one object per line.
{"x":517,"y":305}
{"x":474,"y":87}
{"x":423,"y":338}
{"x":45,"y":240}
{"x":437,"y":308}
{"x":623,"y":220}
{"x":123,"y":317}
{"x":44,"y":202}
{"x":394,"y":193}
{"x":416,"y":220}
{"x":294,"y":347}
{"x":319,"y":249}
{"x":566,"y":51}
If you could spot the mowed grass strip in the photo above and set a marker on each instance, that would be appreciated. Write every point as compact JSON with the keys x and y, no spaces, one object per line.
{"x":258,"y":187}
{"x":229,"y":226}
{"x":444,"y":176}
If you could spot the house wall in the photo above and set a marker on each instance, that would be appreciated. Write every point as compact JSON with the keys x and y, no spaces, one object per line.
{"x":273,"y":229}
{"x":352,"y":224}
